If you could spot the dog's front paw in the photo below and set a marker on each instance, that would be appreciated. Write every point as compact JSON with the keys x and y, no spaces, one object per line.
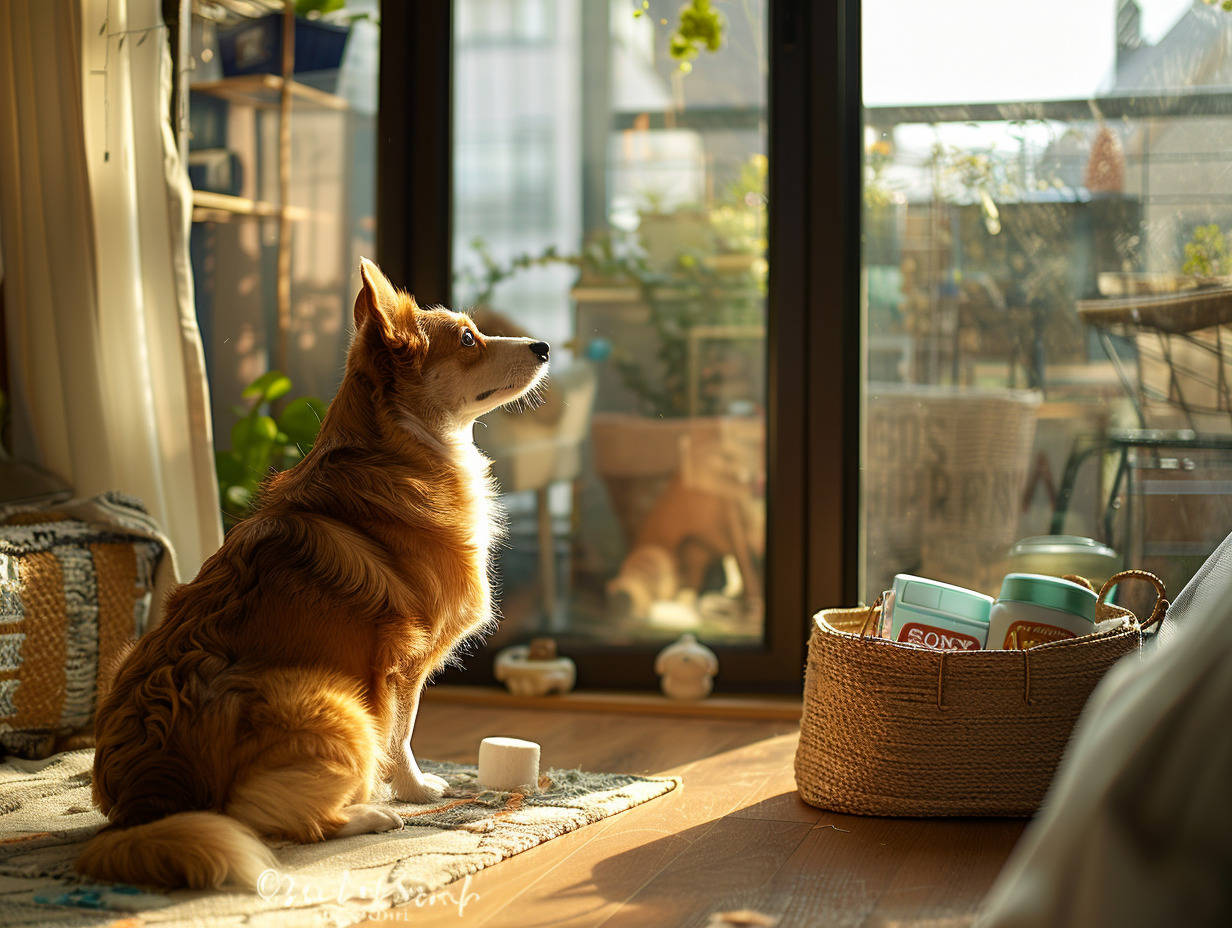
{"x":418,"y":787}
{"x":364,"y":819}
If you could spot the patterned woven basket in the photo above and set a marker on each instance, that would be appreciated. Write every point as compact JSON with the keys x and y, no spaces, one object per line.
{"x":73,"y":595}
{"x":897,"y":730}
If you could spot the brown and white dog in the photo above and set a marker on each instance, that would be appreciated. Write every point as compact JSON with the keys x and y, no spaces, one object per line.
{"x":277,"y":698}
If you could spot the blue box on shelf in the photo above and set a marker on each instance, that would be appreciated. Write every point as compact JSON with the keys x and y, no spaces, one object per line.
{"x":255,"y":47}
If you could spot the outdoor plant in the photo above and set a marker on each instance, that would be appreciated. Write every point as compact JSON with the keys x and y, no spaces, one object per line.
{"x":878,"y":193}
{"x":602,"y":258}
{"x":700,"y":27}
{"x":984,"y":177}
{"x":693,"y":291}
{"x":1006,"y":219}
{"x":694,"y":294}
{"x":262,"y":443}
{"x":1206,"y":254}
{"x":740,"y":217}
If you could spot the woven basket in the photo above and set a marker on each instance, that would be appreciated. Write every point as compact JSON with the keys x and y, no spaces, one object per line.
{"x":897,"y":730}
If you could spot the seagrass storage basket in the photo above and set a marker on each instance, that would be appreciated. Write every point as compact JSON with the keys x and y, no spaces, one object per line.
{"x":897,"y":730}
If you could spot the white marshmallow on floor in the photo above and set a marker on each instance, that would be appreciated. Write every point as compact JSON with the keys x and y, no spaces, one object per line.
{"x":507,"y":763}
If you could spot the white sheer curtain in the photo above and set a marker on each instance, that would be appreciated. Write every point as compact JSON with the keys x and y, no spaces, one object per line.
{"x":104,"y":354}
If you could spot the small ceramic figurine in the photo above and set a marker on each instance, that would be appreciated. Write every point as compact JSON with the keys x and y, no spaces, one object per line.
{"x":686,"y":669}
{"x":534,"y":669}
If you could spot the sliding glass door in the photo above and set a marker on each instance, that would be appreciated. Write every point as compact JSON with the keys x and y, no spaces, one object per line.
{"x":609,"y":196}
{"x":612,"y":172}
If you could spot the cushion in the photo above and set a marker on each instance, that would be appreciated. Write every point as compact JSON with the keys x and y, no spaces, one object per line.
{"x":74,"y":592}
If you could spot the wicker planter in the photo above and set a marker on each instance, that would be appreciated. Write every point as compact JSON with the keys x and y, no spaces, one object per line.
{"x":944,"y":480}
{"x":637,"y":457}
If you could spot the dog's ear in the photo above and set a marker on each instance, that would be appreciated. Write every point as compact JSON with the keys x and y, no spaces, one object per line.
{"x":377,"y":302}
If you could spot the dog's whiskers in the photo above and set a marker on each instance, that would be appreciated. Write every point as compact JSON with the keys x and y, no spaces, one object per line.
{"x":531,"y":399}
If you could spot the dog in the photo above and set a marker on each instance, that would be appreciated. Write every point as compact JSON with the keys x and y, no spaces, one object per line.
{"x":276,"y":700}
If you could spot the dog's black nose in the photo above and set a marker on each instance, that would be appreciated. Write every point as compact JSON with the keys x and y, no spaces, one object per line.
{"x":540,"y":349}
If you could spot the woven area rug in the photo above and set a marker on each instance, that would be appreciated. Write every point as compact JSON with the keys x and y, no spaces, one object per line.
{"x":46,"y":816}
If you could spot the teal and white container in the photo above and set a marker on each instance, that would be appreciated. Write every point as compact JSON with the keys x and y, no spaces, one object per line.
{"x":1034,"y":609}
{"x":938,"y":615}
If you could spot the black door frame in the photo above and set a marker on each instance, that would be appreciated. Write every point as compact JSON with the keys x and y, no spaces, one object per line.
{"x":813,"y":337}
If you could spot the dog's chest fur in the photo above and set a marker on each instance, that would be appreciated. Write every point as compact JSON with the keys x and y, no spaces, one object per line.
{"x":481,"y":527}
{"x":486,"y":519}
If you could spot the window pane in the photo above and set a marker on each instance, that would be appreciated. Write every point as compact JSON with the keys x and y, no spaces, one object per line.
{"x":610,"y":198}
{"x":1046,"y":300}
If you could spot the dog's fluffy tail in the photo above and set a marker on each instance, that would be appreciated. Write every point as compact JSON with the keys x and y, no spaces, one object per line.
{"x":200,"y":850}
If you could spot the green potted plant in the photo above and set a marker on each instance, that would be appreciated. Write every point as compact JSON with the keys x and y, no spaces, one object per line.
{"x":262,"y":442}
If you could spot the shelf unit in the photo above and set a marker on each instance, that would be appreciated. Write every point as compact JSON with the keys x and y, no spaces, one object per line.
{"x":264,"y":91}
{"x":268,"y":92}
{"x":222,"y":207}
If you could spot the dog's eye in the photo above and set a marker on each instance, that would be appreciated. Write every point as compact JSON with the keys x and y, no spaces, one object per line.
{"x":468,"y":339}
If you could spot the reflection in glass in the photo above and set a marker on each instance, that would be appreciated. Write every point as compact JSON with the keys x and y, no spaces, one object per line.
{"x":1045,"y":299}
{"x":610,"y":198}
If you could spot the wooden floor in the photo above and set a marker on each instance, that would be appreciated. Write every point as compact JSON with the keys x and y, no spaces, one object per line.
{"x":734,"y":836}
